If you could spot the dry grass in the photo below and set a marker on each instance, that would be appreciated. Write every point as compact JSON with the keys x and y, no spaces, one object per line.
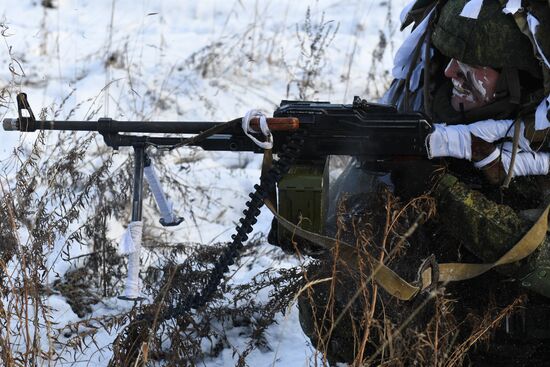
{"x":42,"y":218}
{"x":349,"y":318}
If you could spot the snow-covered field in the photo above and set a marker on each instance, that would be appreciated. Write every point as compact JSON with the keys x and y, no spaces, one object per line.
{"x":183,"y":60}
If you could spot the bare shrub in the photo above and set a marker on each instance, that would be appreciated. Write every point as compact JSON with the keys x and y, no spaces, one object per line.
{"x":314,"y":38}
{"x":163,"y":332}
{"x":43,"y":218}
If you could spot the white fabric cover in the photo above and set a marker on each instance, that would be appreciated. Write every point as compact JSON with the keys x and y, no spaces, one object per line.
{"x":164,"y":205}
{"x":450,"y":141}
{"x":268,"y":144}
{"x":488,"y":160}
{"x":131,"y":243}
{"x":455,"y":141}
{"x":526,"y":163}
{"x":131,"y":239}
{"x":403,"y":57}
{"x":533,"y":24}
{"x":512,"y":7}
{"x":541,"y":115}
{"x":472,"y":9}
{"x":541,"y":118}
{"x":493,"y":130}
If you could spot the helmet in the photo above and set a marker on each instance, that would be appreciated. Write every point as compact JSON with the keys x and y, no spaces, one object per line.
{"x":493,"y":39}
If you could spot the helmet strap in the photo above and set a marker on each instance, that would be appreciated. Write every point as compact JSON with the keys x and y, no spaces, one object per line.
{"x":509,"y":84}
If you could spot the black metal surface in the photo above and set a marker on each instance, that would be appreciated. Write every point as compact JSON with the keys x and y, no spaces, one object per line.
{"x":371,"y":131}
{"x":22,"y":106}
{"x":171,"y":224}
{"x":137,"y":188}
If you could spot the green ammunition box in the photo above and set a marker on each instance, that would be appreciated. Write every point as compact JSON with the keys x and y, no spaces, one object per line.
{"x":302,"y":197}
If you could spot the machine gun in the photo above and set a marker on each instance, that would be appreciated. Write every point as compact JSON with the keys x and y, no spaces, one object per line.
{"x":372,"y":131}
{"x":304,"y":135}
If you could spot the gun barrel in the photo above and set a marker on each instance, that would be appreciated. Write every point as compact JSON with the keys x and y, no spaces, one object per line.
{"x":107,"y":125}
{"x":110,"y":126}
{"x":10,"y":124}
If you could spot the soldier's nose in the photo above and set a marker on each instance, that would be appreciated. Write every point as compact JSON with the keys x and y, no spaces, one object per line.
{"x":452,"y":70}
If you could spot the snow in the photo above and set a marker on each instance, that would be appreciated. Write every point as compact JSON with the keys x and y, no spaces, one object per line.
{"x":183,"y":60}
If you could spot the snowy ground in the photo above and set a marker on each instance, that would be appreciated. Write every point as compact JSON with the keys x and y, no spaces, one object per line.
{"x":204,"y":60}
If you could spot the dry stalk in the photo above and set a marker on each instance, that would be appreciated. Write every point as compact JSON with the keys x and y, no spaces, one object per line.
{"x":487,"y":325}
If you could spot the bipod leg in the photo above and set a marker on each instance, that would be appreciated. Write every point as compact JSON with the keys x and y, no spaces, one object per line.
{"x":137,"y":188}
{"x":133,"y":235}
{"x":168,"y":218}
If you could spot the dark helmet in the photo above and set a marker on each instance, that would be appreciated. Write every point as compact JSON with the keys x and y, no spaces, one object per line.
{"x":493,"y":39}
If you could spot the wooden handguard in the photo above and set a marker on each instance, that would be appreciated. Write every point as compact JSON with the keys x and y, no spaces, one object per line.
{"x":277,"y":123}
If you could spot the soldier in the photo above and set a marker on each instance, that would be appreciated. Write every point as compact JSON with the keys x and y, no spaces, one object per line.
{"x":480,"y":70}
{"x":509,"y":85}
{"x":487,"y":88}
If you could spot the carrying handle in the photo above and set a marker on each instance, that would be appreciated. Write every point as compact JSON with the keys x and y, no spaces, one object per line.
{"x":277,"y":123}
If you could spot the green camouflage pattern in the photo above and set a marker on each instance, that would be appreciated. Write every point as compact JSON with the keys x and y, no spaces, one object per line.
{"x":489,"y":230}
{"x":493,"y":39}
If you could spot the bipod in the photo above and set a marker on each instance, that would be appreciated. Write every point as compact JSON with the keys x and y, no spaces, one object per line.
{"x":131,"y":242}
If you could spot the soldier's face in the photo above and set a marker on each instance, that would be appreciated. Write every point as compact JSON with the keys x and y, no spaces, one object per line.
{"x":473,"y":86}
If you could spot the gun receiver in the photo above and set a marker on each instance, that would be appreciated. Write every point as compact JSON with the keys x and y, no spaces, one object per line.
{"x":370,"y":131}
